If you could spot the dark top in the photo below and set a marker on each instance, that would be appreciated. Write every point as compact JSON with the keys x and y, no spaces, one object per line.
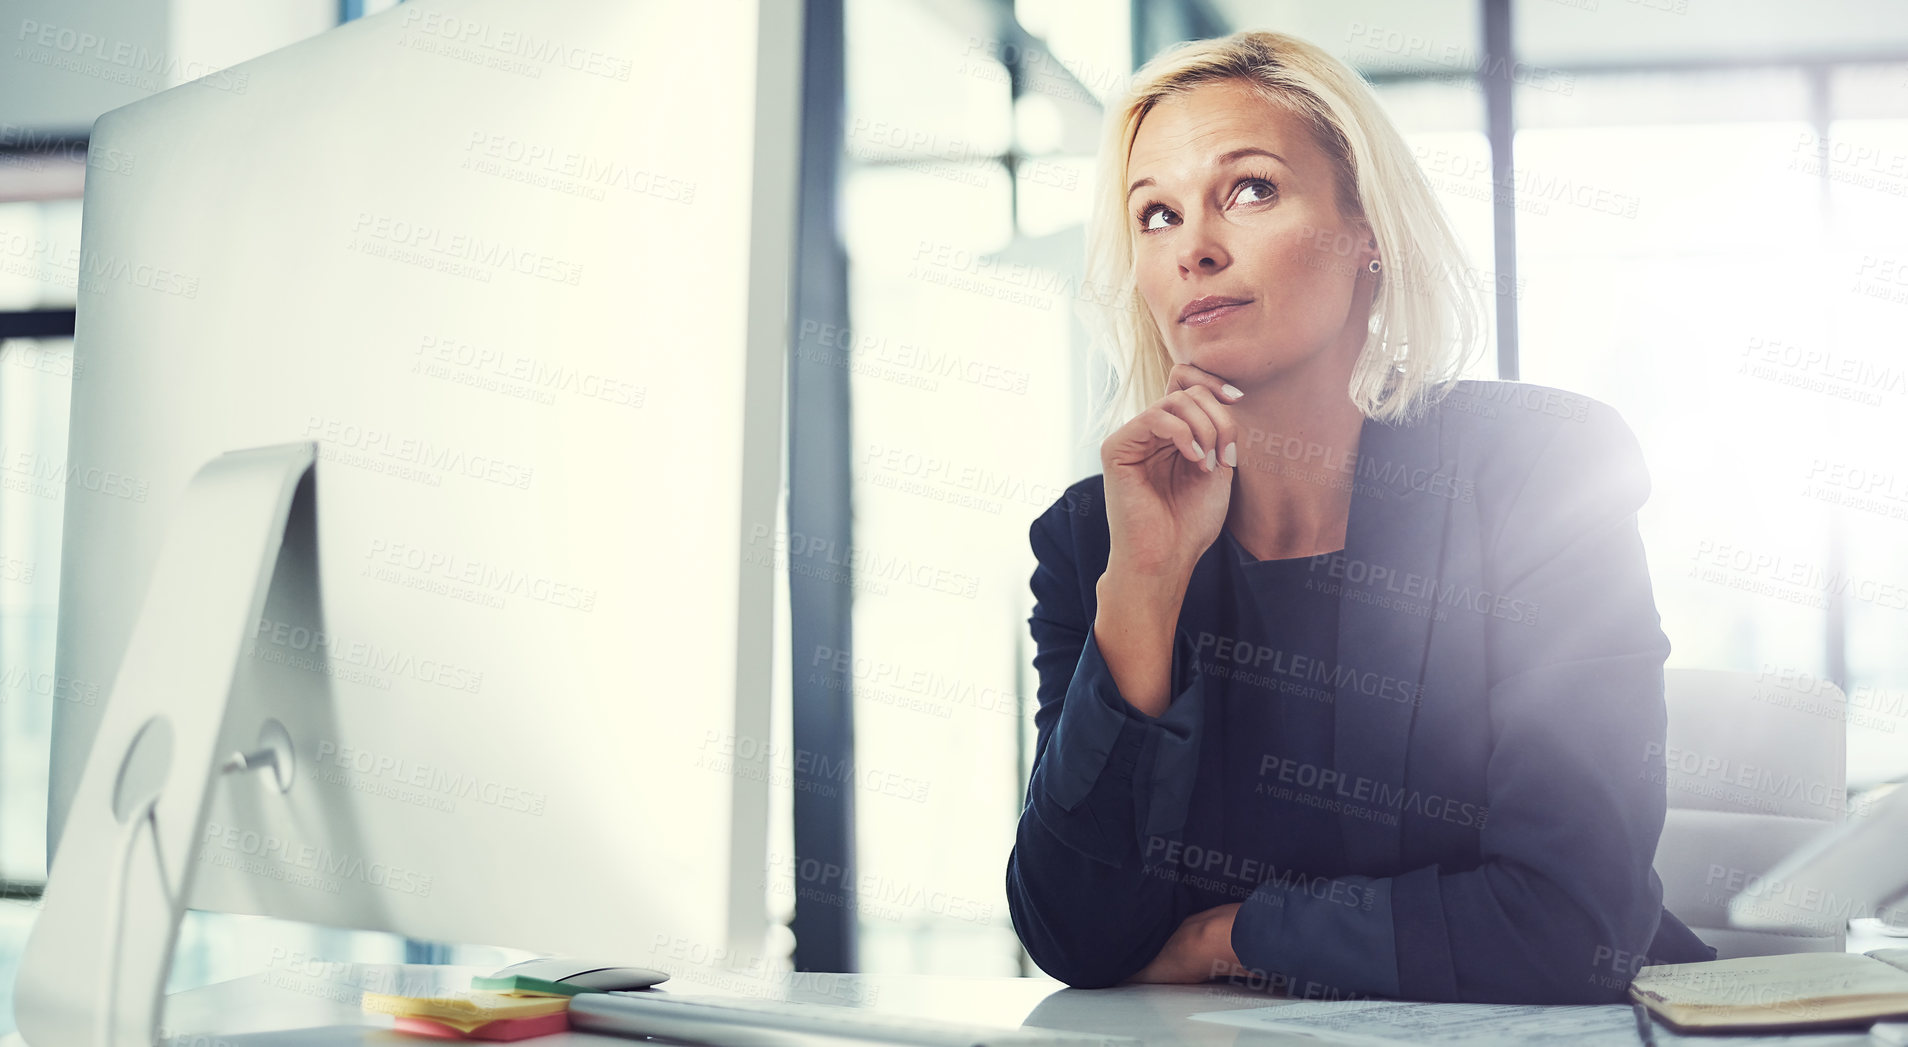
{"x":1473,"y":814}
{"x":1267,"y":666}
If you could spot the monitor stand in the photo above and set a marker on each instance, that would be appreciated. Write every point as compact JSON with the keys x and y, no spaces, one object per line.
{"x":97,"y":959}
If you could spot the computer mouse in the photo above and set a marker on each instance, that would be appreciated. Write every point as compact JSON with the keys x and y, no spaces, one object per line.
{"x":588,"y":974}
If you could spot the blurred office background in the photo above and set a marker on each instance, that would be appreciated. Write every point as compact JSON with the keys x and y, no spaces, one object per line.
{"x":1690,"y":209}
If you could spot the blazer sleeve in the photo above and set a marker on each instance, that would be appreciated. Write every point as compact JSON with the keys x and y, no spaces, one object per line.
{"x":1565,"y":885}
{"x":1087,"y":886}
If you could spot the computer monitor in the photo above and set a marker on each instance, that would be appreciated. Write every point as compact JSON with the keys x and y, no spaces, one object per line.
{"x":1855,"y":870}
{"x":520,"y":272}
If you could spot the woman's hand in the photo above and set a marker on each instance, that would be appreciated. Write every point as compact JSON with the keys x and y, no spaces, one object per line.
{"x":1168,"y":476}
{"x":1200,"y":950}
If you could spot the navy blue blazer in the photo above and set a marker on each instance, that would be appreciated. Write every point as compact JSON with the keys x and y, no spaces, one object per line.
{"x":1493,"y":585}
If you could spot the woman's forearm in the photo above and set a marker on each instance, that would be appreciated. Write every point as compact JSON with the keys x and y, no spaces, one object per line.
{"x":1133,"y":628}
{"x":1086,"y":922}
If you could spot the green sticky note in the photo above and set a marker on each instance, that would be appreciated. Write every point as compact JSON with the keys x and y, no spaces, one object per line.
{"x":520,"y":983}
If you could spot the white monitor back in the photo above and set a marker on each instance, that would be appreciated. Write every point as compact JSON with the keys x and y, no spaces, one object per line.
{"x":521,"y":268}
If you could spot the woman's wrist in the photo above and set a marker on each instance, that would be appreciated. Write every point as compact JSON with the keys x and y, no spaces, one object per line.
{"x":1161,"y":585}
{"x":1140,"y":606}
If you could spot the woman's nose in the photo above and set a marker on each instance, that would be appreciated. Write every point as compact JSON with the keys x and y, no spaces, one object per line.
{"x":1200,"y":249}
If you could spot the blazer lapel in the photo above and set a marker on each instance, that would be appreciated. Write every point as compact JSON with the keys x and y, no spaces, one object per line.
{"x":1387,"y":600}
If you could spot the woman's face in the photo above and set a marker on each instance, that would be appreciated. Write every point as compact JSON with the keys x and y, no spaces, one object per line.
{"x":1218,"y":217}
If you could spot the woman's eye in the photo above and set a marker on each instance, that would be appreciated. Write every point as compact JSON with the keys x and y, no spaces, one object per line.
{"x":1260,"y":185}
{"x":1264,"y":188}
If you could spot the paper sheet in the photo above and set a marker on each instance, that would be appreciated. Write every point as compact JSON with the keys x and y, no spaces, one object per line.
{"x":1385,"y":1023}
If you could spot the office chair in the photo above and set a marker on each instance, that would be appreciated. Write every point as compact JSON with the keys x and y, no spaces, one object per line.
{"x":1756,"y":765}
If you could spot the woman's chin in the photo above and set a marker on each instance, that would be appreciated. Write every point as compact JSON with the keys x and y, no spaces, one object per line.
{"x":1227,"y":362}
{"x":1245,"y":363}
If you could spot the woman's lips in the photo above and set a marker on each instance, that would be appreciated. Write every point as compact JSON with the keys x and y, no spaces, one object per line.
{"x":1214,"y":315}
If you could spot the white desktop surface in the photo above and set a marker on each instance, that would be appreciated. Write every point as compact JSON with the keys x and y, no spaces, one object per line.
{"x":290,"y":1007}
{"x":243,"y":1012}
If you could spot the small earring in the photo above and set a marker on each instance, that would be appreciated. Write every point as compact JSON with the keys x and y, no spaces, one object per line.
{"x":1373,"y":266}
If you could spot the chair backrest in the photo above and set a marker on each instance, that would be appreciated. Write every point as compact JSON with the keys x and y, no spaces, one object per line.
{"x":1756,"y":764}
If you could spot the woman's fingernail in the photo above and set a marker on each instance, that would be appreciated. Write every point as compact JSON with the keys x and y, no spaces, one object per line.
{"x":1231,"y":390}
{"x":1210,"y":465}
{"x":1196,"y":449}
{"x":1232,"y":455}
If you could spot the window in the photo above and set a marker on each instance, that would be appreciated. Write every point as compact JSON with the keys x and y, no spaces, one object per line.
{"x":962,"y":377}
{"x":1714,"y":268}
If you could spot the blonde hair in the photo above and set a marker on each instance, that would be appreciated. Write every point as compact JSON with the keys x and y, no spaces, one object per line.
{"x":1426,"y":322}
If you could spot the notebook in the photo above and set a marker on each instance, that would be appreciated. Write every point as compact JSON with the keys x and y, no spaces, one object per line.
{"x":1776,"y":993}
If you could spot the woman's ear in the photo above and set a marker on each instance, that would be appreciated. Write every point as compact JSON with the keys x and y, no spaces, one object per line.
{"x":1371,"y":242}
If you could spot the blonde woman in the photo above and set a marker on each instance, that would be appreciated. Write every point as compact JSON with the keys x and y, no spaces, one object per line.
{"x":1350,"y":672}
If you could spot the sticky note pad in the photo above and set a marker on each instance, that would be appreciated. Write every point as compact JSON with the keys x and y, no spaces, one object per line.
{"x":499,"y":1029}
{"x":465,"y":1006}
{"x":524,"y":984}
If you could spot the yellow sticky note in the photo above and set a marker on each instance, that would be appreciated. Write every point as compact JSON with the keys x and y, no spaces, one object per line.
{"x":473,"y":1006}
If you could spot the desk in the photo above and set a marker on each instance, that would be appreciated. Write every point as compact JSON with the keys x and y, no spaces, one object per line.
{"x":316,"y":1005}
{"x":322,"y":1000}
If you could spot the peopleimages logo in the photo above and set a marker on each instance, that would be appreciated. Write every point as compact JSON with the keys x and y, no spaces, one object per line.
{"x":1771,"y":783}
{"x":538,"y":52}
{"x":456,"y":253}
{"x":95,"y":270}
{"x":1369,"y":796}
{"x":450,"y":783}
{"x":16,"y":679}
{"x":890,"y":898}
{"x":579,"y":174}
{"x":117,"y":61}
{"x":475,"y":581}
{"x":1302,"y":668}
{"x":314,"y":649}
{"x":266,"y":855}
{"x":415,"y":451}
{"x":1370,"y":578}
{"x":512,"y":374}
{"x":1221,"y":865}
{"x":859,"y":561}
{"x":32,"y":472}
